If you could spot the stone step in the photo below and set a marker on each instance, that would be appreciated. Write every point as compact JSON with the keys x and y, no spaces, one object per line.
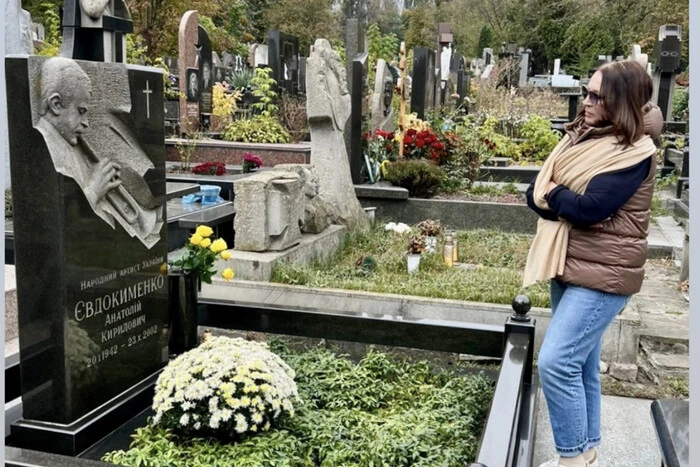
{"x":670,"y":361}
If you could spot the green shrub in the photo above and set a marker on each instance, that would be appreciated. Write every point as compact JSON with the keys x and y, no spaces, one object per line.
{"x":381,"y":411}
{"x":680,"y":103}
{"x":259,"y":129}
{"x":539,"y":137}
{"x":422,"y":179}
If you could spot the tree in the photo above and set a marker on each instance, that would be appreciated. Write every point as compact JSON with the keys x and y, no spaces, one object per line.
{"x":307,"y":19}
{"x":485,"y":40}
{"x":421,"y":27}
{"x":583,"y":42}
{"x":158,"y":22}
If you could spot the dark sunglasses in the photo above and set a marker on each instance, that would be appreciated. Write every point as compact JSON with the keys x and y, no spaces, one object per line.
{"x":593,"y":96}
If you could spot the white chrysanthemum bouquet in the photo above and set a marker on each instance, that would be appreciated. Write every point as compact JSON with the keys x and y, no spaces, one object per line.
{"x":225,"y":388}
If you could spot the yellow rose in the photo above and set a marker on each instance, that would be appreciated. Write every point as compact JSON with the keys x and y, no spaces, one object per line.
{"x":204,"y":230}
{"x":164,"y":268}
{"x":218,"y":245}
{"x":227,"y":274}
{"x":205,"y":243}
{"x":196,"y":239}
{"x":225,"y":254}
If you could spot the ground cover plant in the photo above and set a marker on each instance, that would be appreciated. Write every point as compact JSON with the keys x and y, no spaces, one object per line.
{"x":490,"y":271}
{"x":379,"y":411}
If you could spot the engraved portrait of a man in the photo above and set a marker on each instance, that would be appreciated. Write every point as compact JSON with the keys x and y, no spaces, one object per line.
{"x":64,"y":101}
{"x":206,"y":76}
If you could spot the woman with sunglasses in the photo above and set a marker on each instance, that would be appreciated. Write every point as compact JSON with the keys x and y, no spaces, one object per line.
{"x":593,"y":195}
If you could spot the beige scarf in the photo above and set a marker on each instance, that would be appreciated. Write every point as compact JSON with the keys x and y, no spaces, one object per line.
{"x":573,"y":166}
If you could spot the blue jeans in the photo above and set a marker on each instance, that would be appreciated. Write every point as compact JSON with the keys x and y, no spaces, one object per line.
{"x":569,"y":361}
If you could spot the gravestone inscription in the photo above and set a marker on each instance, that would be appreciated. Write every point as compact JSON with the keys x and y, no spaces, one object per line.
{"x":90,"y":244}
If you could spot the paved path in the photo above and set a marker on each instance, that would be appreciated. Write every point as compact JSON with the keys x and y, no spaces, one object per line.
{"x":629,"y":439}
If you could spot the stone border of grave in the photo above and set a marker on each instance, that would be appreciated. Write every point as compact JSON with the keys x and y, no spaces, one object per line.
{"x":393,"y":205}
{"x":231,"y":153}
{"x":620,"y":342}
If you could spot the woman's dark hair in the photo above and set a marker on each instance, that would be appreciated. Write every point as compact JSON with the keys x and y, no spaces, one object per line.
{"x":625,"y":89}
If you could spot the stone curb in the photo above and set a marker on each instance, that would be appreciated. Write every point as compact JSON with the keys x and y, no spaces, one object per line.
{"x":620,"y":342}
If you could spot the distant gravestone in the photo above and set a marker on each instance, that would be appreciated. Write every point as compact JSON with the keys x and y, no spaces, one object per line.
{"x":354,"y":45}
{"x":358,"y":95}
{"x":95,"y":30}
{"x":328,"y":110}
{"x":524,"y":68}
{"x":187,"y":61}
{"x":302,"y":75}
{"x":283,"y":59}
{"x":239,"y":64}
{"x":226,"y":60}
{"x":667,"y":59}
{"x":258,"y":56}
{"x":487,"y":56}
{"x":637,"y":55}
{"x":206,"y":72}
{"x":18,"y":36}
{"x":423,"y":87}
{"x":90,"y":246}
{"x":215,"y":60}
{"x":382,"y":115}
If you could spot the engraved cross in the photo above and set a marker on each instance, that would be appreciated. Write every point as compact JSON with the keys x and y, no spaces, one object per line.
{"x":148,"y":93}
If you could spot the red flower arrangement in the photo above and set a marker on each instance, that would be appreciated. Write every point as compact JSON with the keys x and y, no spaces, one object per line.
{"x":426,"y":144}
{"x":250,"y":162}
{"x":209,"y":168}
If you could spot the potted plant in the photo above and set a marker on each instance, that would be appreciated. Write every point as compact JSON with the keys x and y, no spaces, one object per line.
{"x":251,"y":162}
{"x":185,"y":277}
{"x":416,"y":246}
{"x":431,"y":230}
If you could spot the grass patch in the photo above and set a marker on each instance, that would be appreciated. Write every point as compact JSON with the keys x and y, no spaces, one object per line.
{"x":496,"y":277}
{"x":379,"y":411}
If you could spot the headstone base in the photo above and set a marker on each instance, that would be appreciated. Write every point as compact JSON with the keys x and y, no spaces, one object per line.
{"x":75,"y":438}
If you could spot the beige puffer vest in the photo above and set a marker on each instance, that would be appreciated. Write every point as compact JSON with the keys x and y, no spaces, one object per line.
{"x":610,"y":255}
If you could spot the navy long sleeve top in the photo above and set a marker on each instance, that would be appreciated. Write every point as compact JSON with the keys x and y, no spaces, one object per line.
{"x":604,"y":195}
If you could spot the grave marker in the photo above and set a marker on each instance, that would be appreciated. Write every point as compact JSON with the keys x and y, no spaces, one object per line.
{"x":667,"y":59}
{"x":382,"y":116}
{"x":90,"y":248}
{"x":423,"y":90}
{"x":206,"y":76}
{"x":284,"y":60}
{"x":187,"y":62}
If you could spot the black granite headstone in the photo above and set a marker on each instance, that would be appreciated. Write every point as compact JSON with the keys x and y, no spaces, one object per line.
{"x":283,"y":59}
{"x":423,"y":81}
{"x":206,"y":70}
{"x":667,"y":58}
{"x":357,"y":94}
{"x":92,"y":287}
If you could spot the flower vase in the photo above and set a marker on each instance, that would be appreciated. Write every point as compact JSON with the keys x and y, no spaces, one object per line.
{"x":430,"y":244}
{"x":182,"y":304}
{"x":412,"y":261}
